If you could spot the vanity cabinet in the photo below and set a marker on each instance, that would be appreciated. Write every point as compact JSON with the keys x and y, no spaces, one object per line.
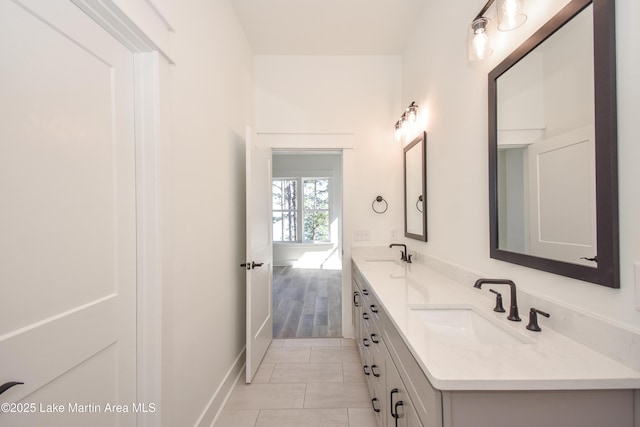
{"x":401,"y":394}
{"x":391,"y":399}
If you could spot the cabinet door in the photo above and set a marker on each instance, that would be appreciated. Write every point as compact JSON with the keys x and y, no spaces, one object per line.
{"x":356,"y":315}
{"x":426,"y":400}
{"x":375,"y":392}
{"x":400,"y":411}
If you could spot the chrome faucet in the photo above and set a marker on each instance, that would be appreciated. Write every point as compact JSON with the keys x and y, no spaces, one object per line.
{"x":403,"y":255}
{"x":513,"y":308}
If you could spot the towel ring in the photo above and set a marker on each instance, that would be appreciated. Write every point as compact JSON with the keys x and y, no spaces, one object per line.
{"x":418,"y":203}
{"x":379,"y":199}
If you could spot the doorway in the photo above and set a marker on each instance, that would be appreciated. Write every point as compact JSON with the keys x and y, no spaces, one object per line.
{"x":307,"y":243}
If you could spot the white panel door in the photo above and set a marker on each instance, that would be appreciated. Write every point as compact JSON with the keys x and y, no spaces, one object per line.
{"x":259,"y":255}
{"x":563,"y":197}
{"x":67,"y":219}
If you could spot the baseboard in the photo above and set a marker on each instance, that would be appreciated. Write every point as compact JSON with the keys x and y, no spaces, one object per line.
{"x":219,"y":398}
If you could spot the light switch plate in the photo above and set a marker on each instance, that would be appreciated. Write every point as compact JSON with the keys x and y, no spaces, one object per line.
{"x":637,"y":280}
{"x":361,"y":235}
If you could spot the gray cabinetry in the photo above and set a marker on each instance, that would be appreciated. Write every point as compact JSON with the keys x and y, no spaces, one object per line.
{"x":391,"y":400}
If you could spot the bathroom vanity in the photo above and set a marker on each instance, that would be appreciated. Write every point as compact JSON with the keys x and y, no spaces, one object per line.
{"x":434,"y":353}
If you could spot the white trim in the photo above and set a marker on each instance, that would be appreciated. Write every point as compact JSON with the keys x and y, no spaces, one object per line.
{"x":148,"y":78}
{"x":149,"y":286}
{"x":219,"y":399}
{"x":348,"y":175}
{"x":110,"y":17}
{"x":307,"y":141}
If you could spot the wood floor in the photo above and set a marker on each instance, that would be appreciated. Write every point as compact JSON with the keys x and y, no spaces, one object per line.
{"x":307,"y":303}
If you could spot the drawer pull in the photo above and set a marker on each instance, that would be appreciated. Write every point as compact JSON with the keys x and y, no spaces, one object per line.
{"x":365,"y":292}
{"x":364,"y":368}
{"x":395,"y":407}
{"x":374,"y":339}
{"x":373,"y":308}
{"x":365,"y":342}
{"x":6,"y":386}
{"x":394,"y":391}
{"x":365,"y":316}
{"x":355,"y":301}
{"x":373,"y":371}
{"x":373,"y":404}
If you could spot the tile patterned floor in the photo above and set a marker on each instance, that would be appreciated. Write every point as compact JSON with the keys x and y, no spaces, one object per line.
{"x":303,"y":382}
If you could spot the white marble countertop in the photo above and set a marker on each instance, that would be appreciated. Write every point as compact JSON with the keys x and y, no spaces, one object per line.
{"x":543,"y":360}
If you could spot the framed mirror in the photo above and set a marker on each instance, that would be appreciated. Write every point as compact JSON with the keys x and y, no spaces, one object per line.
{"x":415,"y":188}
{"x":552,"y":148}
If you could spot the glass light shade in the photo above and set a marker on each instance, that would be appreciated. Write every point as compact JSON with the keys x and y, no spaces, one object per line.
{"x":479,"y":44}
{"x":412,"y":113}
{"x":511,"y":14}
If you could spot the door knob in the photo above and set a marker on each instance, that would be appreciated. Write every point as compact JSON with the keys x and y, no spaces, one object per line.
{"x":252,"y":265}
{"x":6,"y":386}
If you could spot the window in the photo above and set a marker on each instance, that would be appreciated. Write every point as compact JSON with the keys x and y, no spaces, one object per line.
{"x":316,"y":210}
{"x":308,"y":212}
{"x":285,"y":212}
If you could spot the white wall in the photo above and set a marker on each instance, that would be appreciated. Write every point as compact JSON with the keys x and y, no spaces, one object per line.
{"x":342,"y":94}
{"x":437,"y":75}
{"x":202,"y":209}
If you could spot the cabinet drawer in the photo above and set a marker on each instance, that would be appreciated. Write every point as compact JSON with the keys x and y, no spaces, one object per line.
{"x":429,"y":404}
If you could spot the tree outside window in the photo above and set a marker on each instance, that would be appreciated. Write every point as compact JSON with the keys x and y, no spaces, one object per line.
{"x":316,"y":210}
{"x":285,"y":211}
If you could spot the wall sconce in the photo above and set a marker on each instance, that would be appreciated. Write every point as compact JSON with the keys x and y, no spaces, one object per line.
{"x":511,"y":15}
{"x":408,"y":118}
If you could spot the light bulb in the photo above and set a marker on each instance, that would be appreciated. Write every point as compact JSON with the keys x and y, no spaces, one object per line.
{"x":479,"y":45}
{"x":398,"y":132}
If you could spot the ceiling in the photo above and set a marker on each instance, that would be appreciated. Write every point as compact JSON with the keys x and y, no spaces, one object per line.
{"x":327,"y":27}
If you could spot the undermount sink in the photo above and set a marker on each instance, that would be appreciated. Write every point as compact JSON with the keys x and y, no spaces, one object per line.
{"x":381,"y":261}
{"x":394,"y":267}
{"x":464,"y":325}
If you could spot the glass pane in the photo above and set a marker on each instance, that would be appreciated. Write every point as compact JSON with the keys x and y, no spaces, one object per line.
{"x":277,"y":227}
{"x":284,"y":194}
{"x":276,"y":191}
{"x":290,"y":226}
{"x":284,"y":227}
{"x":316,"y":194}
{"x":290,"y":195}
{"x":316,"y":226}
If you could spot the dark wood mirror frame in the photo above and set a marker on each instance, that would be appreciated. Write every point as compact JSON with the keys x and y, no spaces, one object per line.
{"x":607,"y":272}
{"x":422,"y":138}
